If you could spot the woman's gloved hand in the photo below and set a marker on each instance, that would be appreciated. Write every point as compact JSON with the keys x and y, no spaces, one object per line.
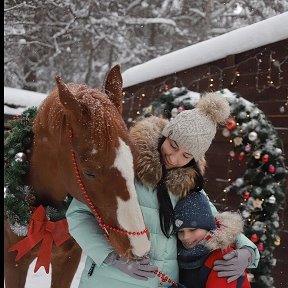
{"x":234,"y":263}
{"x":139,"y":269}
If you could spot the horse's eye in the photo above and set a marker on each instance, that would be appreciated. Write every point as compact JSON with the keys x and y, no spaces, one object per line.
{"x":89,"y":174}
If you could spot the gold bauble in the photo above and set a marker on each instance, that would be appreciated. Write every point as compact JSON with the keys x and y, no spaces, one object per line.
{"x":149,"y":109}
{"x":277,"y":241}
{"x":257,"y":154}
{"x":237,"y":141}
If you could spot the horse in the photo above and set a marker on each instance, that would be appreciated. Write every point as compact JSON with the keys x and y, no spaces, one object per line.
{"x":81,"y":147}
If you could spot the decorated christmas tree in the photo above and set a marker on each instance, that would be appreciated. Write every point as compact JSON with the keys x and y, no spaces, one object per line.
{"x":261,"y":188}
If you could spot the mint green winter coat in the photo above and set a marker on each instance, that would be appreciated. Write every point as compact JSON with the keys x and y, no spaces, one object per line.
{"x":84,"y":227}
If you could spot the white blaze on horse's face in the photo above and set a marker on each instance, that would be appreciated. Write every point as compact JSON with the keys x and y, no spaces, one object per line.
{"x":129,"y":214}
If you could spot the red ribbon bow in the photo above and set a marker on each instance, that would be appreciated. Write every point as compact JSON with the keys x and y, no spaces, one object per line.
{"x":40,"y":228}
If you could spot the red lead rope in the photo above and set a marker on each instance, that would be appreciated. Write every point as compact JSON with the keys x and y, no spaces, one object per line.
{"x":106,"y":227}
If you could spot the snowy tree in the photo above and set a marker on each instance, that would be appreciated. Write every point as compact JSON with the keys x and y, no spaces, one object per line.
{"x":82,"y":39}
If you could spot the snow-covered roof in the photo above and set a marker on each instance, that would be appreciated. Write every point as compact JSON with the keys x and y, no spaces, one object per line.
{"x":237,"y":41}
{"x":17,"y":100}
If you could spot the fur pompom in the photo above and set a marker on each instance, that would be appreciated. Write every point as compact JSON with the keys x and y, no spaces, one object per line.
{"x":231,"y":225}
{"x":214,"y":105}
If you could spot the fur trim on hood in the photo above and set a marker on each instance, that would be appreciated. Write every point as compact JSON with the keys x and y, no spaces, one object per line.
{"x":146,"y":134}
{"x":230,"y":226}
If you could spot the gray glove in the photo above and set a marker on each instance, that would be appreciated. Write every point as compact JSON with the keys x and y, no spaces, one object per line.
{"x":234,"y":263}
{"x":139,"y":269}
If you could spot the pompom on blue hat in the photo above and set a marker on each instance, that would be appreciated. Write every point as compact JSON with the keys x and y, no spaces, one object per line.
{"x":194,"y":211}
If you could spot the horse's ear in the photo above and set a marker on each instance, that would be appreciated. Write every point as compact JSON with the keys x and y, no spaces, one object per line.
{"x":113,"y":87}
{"x":67,"y":98}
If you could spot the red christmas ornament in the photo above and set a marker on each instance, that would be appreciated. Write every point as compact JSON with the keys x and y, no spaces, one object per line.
{"x":260,"y":246}
{"x":241,"y":156}
{"x":271,"y":169}
{"x":265,"y":158}
{"x":246,"y":195}
{"x":254,"y":238}
{"x":230,"y":124}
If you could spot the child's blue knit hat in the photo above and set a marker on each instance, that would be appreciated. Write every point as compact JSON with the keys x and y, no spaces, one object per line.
{"x":194,"y":211}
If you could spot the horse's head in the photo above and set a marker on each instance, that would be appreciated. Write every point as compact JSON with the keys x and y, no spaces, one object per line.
{"x":103,"y":160}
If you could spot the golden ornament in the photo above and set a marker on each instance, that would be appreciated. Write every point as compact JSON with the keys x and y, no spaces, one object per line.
{"x":257,"y":154}
{"x":237,"y":141}
{"x":277,"y":241}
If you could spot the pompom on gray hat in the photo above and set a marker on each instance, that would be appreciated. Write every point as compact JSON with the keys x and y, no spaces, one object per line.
{"x":195,"y":129}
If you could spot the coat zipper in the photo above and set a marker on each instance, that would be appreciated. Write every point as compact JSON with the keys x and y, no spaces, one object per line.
{"x":90,"y":272}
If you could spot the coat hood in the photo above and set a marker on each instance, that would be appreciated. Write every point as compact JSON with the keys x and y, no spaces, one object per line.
{"x":229,"y":226}
{"x":146,"y":134}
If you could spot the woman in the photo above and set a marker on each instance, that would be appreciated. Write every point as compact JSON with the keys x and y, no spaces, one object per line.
{"x":170,"y":165}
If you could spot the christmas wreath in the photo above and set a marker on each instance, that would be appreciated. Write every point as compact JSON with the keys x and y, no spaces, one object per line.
{"x":19,"y":199}
{"x":262,"y":187}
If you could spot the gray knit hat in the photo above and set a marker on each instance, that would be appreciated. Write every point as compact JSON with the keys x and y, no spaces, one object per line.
{"x":195,"y":129}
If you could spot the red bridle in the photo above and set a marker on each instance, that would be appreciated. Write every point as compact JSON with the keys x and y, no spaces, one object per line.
{"x":101,"y":223}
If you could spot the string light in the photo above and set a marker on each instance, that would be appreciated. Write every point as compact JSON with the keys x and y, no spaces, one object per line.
{"x":265,"y":78}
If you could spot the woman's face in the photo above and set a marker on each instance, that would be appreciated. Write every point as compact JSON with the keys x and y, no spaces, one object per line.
{"x":173,"y":155}
{"x":190,"y":237}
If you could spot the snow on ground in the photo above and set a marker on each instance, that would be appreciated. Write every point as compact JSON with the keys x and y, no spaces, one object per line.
{"x":42,"y":280}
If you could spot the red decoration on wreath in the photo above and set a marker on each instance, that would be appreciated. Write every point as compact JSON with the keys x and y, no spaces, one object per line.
{"x":260,"y":246}
{"x":40,"y":229}
{"x":271,"y":169}
{"x":254,"y":238}
{"x":246,"y":195}
{"x":241,"y":156}
{"x":231,"y":124}
{"x":265,"y":158}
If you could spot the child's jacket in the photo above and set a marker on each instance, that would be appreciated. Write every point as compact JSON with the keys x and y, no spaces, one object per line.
{"x":206,"y":277}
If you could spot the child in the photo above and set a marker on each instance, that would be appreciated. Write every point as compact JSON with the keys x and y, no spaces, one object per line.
{"x":204,"y":239}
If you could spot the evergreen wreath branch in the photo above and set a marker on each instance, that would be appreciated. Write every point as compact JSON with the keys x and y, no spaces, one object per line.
{"x":19,"y":199}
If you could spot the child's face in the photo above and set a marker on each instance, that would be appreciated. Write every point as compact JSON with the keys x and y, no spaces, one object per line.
{"x":190,"y":237}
